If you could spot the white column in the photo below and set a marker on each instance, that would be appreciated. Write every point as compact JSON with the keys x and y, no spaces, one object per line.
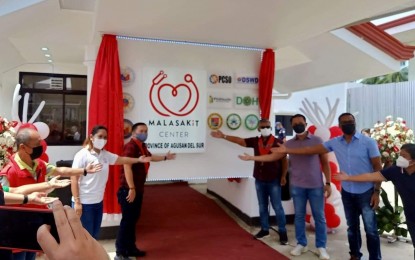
{"x":91,"y":52}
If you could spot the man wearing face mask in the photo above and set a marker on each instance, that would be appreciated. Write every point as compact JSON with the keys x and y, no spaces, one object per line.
{"x":269,"y":176}
{"x":130,"y":193}
{"x":356,"y":154}
{"x":402,"y":176}
{"x":25,"y":167}
{"x":306,"y":183}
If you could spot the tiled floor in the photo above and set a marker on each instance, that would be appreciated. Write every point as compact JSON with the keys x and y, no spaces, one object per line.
{"x":337,"y":245}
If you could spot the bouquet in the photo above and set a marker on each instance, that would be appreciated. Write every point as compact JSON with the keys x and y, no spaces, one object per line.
{"x":7,"y":140}
{"x":390,"y":136}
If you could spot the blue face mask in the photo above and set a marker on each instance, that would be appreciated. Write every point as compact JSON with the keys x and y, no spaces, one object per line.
{"x":142,"y":137}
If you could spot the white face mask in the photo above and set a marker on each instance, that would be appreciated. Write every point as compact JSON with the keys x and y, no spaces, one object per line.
{"x":402,"y":162}
{"x":265,"y":132}
{"x":99,"y":143}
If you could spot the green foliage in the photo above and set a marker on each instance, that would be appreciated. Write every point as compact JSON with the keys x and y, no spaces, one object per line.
{"x":389,"y":218}
{"x":398,"y":76}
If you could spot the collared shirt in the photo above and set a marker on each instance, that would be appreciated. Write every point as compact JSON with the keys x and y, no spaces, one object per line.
{"x":354,"y":158}
{"x":131,"y":149}
{"x":265,"y":171}
{"x":32,"y":170}
{"x":305,"y":169}
{"x":92,"y":186}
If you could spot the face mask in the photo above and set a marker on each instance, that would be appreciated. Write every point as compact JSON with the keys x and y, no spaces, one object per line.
{"x":142,"y":137}
{"x":37,"y":152}
{"x":265,"y":132}
{"x":299,"y":129}
{"x":99,"y":143}
{"x":348,"y":129}
{"x":402,"y":162}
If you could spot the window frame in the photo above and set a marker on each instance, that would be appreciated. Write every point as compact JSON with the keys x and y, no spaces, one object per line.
{"x":64,"y":92}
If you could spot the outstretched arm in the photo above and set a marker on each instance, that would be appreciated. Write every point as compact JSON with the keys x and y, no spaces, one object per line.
{"x":316,"y":149}
{"x":43,"y":186}
{"x":131,"y":160}
{"x":68,"y":171}
{"x":373,"y":176}
{"x":262,"y":158}
{"x":232,"y":139}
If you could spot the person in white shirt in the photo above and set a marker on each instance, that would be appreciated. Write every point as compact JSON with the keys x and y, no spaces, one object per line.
{"x":88,"y":191}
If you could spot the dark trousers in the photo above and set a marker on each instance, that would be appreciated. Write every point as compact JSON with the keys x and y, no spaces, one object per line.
{"x":356,"y":205}
{"x":411,"y":229}
{"x":130,"y":214}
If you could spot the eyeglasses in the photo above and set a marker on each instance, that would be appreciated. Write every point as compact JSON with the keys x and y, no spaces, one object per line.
{"x":263,"y":127}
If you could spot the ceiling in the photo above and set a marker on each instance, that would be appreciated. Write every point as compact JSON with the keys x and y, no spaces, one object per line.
{"x":311,"y":47}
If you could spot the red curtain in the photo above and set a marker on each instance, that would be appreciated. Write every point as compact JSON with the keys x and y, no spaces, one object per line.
{"x":266,"y":82}
{"x":106,"y":108}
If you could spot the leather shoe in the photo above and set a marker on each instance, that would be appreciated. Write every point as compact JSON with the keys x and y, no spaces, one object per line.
{"x":136,"y":252}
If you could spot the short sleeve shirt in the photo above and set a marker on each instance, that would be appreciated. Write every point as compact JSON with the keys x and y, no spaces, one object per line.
{"x":265,"y":171}
{"x":131,"y":149}
{"x":404,"y":184}
{"x":305,"y":169}
{"x":354,"y":158}
{"x":92,"y":186}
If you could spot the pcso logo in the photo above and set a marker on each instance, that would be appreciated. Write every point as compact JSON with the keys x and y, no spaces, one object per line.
{"x":173,"y":100}
{"x":220,"y":79}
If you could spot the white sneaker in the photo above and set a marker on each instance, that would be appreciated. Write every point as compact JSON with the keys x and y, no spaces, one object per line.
{"x":298,"y":250}
{"x":323,"y":253}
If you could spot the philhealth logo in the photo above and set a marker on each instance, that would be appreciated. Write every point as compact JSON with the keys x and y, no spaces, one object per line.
{"x":173,"y":100}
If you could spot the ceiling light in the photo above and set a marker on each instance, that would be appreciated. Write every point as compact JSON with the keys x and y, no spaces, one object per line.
{"x":45,"y":49}
{"x":47,"y":55}
{"x":50,"y":60}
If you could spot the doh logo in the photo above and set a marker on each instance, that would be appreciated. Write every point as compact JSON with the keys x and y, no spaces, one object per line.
{"x":169,"y":99}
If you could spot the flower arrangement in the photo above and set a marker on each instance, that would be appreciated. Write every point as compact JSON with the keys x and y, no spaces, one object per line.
{"x":7,"y":140}
{"x":390,"y":136}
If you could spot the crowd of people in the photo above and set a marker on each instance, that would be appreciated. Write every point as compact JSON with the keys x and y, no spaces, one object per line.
{"x":26,"y":180}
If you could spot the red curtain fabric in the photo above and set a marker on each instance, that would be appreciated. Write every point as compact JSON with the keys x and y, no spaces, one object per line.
{"x":106,"y":108}
{"x":266,"y":82}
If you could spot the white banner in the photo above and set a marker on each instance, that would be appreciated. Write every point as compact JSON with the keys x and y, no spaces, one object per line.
{"x":176,"y":113}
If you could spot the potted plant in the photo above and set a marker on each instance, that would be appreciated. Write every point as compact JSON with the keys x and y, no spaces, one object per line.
{"x":390,"y":136}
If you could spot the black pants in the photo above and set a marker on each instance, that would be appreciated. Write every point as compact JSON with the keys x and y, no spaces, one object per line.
{"x":130,"y":214}
{"x":411,"y":229}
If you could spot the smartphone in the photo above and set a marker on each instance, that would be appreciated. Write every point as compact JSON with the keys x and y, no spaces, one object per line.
{"x":18,"y":227}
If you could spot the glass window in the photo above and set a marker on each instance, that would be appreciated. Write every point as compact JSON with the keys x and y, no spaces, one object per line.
{"x":65,"y":105}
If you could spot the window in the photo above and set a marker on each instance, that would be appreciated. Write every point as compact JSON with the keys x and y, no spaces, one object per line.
{"x":65,"y":104}
{"x":285,"y":121}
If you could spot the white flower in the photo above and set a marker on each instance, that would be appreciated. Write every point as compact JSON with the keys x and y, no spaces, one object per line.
{"x":385,"y":154}
{"x":399,"y":119}
{"x":388,"y":118}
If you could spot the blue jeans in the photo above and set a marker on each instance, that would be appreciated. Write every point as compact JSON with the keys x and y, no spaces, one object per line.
{"x":24,"y":256}
{"x":265,"y":191}
{"x":91,"y":217}
{"x":354,"y":206}
{"x":316,"y":198}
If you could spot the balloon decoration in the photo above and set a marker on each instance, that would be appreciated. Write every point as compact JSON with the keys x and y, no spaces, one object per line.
{"x":42,"y":128}
{"x":322,"y":127}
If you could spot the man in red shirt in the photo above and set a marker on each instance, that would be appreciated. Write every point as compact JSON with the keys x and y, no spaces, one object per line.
{"x":130,"y":193}
{"x":25,"y":167}
{"x":269,"y":176}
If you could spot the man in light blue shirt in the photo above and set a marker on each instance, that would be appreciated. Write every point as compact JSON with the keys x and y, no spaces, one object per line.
{"x":356,"y":154}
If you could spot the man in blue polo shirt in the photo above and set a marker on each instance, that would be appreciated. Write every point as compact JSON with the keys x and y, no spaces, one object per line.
{"x":402,"y":176}
{"x":356,"y":154}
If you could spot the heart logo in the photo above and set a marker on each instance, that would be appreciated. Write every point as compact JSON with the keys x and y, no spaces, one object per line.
{"x":178,"y":100}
